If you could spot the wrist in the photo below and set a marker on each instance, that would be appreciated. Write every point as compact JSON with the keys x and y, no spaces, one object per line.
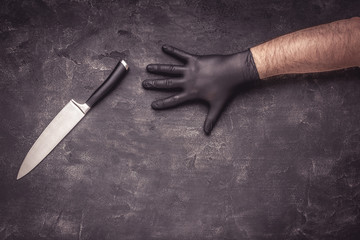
{"x":260,"y":61}
{"x":246,"y":66}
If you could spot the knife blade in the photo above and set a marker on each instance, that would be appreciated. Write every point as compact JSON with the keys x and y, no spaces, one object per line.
{"x":66,"y":120}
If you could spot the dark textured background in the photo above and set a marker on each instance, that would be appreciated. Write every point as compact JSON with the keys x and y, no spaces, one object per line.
{"x":282,"y":163}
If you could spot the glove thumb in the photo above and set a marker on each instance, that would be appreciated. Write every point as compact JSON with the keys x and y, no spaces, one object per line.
{"x":213,"y":115}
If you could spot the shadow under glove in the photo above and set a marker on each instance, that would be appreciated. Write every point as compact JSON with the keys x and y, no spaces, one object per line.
{"x":212,"y":78}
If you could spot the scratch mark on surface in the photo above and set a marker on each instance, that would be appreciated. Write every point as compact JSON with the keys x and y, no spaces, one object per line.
{"x":231,"y":121}
{"x":81,"y":227}
{"x":313,"y":166}
{"x":190,"y":164}
{"x":58,"y":219}
{"x":43,"y":222}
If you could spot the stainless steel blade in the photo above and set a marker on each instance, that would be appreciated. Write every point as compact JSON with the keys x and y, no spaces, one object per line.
{"x":59,"y":127}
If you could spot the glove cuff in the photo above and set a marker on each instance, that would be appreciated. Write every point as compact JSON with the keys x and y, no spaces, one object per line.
{"x":246,"y":68}
{"x":254,"y":74}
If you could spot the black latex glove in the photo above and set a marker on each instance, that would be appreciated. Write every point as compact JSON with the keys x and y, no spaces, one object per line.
{"x":212,"y":78}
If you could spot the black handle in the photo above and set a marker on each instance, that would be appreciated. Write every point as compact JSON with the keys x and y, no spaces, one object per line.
{"x":116,"y":75}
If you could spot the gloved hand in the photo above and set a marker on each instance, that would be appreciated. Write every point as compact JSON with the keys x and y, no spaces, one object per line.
{"x":212,"y":78}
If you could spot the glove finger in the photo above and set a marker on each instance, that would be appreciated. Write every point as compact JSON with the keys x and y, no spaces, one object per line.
{"x":166,"y":69}
{"x":170,"y":101}
{"x":175,"y":52}
{"x":163,"y":83}
{"x":213,"y":115}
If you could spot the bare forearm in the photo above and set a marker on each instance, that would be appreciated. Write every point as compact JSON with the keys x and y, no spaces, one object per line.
{"x":322,"y":48}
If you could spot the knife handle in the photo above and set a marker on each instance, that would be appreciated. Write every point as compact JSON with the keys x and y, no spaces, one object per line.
{"x":116,"y":75}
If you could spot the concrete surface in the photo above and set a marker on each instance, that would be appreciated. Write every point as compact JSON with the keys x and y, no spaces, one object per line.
{"x":283,"y":162}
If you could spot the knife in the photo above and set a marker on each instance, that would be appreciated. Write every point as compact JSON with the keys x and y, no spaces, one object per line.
{"x":66,"y":120}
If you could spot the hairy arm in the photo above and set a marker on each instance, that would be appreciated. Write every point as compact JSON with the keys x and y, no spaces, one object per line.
{"x":322,"y":48}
